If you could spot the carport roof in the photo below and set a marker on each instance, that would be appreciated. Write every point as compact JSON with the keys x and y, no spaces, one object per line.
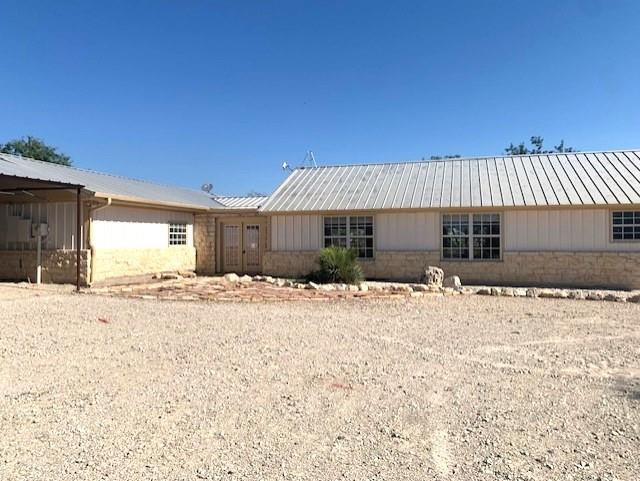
{"x":105,"y":185}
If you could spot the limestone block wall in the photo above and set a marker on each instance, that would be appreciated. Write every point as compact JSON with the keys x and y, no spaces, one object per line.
{"x":114,"y":263}
{"x":58,"y":266}
{"x":204,"y":239}
{"x":521,"y":268}
{"x":289,"y":263}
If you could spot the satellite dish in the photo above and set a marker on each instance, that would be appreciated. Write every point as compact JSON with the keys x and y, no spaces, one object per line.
{"x":207,"y":187}
{"x":286,"y":166}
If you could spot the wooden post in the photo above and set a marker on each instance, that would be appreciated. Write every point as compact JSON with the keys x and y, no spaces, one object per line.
{"x":78,"y":238}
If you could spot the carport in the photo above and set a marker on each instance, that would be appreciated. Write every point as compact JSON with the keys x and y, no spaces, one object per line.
{"x":29,"y":208}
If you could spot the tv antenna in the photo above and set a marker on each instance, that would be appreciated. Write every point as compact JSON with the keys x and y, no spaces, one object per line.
{"x":309,"y":157}
{"x":286,"y":166}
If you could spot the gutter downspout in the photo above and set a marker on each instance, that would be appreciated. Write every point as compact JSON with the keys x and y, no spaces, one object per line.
{"x":92,"y":210}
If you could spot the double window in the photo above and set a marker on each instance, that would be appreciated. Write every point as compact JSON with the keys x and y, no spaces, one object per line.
{"x":177,"y":234}
{"x":354,"y":232}
{"x":626,"y":225}
{"x":471,"y":236}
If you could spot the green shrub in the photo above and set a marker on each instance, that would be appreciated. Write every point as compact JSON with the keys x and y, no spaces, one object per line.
{"x":338,"y":264}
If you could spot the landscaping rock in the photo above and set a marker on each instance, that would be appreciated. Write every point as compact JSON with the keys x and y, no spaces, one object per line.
{"x":187,"y":274}
{"x":484,"y":291}
{"x":171,"y":276}
{"x":419,"y":287}
{"x":519,"y":292}
{"x":533,"y":292}
{"x":595,"y":296}
{"x":246,"y":278}
{"x":314,"y":286}
{"x":231,"y":277}
{"x":433,"y":276}
{"x":495,"y":291}
{"x":634,"y":298}
{"x":613,"y":297}
{"x":364,"y":287}
{"x":453,"y":282}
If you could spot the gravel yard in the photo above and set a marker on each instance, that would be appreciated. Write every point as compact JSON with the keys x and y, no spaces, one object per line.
{"x":465,"y":387}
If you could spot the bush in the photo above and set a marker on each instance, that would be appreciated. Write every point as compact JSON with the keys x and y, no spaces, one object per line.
{"x":338,"y":264}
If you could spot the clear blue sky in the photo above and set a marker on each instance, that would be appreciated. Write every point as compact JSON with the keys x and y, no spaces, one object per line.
{"x":185,"y":92}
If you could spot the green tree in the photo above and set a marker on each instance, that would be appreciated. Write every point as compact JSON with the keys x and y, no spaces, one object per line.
{"x":537,"y":147}
{"x":36,"y":149}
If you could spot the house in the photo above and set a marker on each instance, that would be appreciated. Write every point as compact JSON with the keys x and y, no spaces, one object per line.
{"x":564,"y":219}
{"x":94,"y":226}
{"x":550,"y":219}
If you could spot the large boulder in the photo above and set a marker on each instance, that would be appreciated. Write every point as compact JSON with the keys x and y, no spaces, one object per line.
{"x":433,"y":276}
{"x":231,"y":277}
{"x":452,"y":282}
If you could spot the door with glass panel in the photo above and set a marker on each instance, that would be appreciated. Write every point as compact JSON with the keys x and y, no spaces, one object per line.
{"x":231,"y":242}
{"x":251,"y":249}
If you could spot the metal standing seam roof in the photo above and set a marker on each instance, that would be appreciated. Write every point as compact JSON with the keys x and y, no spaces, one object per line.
{"x":105,"y":185}
{"x":576,"y":178}
{"x":242,"y":202}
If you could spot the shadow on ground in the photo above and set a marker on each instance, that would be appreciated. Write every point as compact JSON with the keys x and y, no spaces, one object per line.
{"x":629,"y":387}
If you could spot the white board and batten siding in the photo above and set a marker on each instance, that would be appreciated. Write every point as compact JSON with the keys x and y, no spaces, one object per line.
{"x":119,"y":227}
{"x":16,"y":221}
{"x":296,"y":232}
{"x":523,"y":230}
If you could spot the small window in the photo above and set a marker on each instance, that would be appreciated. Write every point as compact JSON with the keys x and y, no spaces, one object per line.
{"x":455,"y":236}
{"x":486,"y":236}
{"x":626,"y":225}
{"x":177,"y":234}
{"x":467,"y":236}
{"x":361,"y":236}
{"x":355,"y":232}
{"x":335,"y":231}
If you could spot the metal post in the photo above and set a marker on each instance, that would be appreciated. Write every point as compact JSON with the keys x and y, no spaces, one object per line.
{"x":78,"y":238}
{"x":38,"y":256}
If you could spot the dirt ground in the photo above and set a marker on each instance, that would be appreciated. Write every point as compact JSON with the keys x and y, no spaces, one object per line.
{"x":465,"y":387}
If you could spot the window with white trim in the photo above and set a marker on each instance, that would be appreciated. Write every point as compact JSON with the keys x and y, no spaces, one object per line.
{"x":626,"y":225}
{"x":471,"y":236}
{"x":177,"y":234}
{"x":354,"y":232}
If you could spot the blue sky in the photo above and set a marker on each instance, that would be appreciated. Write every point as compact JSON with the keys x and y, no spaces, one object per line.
{"x":186,"y":92}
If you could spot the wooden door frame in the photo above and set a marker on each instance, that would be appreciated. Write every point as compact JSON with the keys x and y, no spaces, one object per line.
{"x":242,"y":221}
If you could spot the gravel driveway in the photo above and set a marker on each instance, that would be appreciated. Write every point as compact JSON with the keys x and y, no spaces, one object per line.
{"x":465,"y":387}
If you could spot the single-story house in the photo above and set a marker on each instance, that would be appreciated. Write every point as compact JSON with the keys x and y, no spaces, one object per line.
{"x":551,"y":219}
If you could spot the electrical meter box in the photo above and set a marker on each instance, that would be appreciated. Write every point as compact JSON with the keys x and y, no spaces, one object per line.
{"x":39,"y":230}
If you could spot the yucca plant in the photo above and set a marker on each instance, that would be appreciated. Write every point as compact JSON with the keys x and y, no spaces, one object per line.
{"x":338,"y":264}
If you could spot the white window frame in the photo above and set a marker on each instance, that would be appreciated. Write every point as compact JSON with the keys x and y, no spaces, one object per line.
{"x":635,"y":225}
{"x":348,"y":232}
{"x":175,"y":237}
{"x":471,"y":237}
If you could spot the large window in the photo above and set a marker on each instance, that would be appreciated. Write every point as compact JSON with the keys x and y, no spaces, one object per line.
{"x":471,"y":236}
{"x":355,"y":232}
{"x":177,"y":234}
{"x":626,"y":225}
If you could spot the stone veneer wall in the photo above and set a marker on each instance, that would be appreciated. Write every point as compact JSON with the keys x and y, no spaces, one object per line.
{"x":58,"y":266}
{"x":114,"y":263}
{"x":573,"y":269}
{"x":204,"y":240}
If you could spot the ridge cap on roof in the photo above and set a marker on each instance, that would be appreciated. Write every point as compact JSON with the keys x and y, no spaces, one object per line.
{"x":454,"y":159}
{"x":107,"y":174}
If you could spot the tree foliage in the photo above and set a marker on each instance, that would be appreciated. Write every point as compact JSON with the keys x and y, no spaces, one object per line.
{"x":35,"y":148}
{"x":537,"y":147}
{"x":441,"y":157}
